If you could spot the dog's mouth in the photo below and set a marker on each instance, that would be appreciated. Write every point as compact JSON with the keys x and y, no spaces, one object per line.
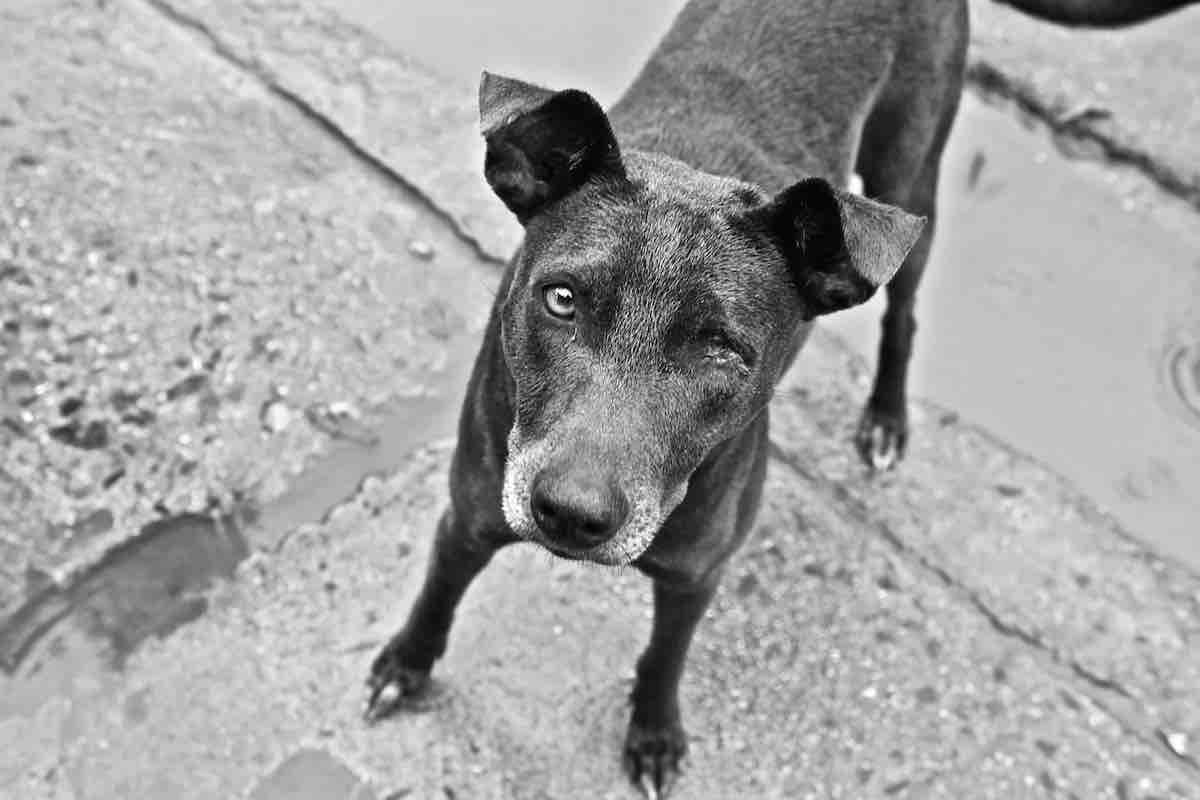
{"x":622,"y":549}
{"x":563,"y":552}
{"x":609,"y":554}
{"x":571,"y":554}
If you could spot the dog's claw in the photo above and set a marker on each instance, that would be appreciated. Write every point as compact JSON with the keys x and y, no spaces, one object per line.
{"x":383,"y":700}
{"x":652,"y":758}
{"x":392,"y":685}
{"x":881,"y":439}
{"x":883,"y":450}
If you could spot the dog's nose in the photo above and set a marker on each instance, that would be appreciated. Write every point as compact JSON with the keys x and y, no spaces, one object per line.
{"x":577,"y":510}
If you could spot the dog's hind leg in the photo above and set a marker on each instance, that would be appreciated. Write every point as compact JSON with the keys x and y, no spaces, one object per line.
{"x":882,"y":434}
{"x":899,"y":161}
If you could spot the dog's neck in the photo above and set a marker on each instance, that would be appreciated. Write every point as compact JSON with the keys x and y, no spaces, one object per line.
{"x":712,"y":143}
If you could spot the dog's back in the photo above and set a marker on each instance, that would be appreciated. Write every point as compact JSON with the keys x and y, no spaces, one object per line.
{"x":768,"y":90}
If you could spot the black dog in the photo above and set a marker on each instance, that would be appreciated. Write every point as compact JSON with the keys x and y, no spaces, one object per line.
{"x":618,"y":407}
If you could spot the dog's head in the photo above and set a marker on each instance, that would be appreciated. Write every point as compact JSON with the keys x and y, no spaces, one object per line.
{"x":651,"y":310}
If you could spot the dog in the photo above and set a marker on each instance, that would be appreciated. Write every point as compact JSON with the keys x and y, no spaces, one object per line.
{"x":677,"y":250}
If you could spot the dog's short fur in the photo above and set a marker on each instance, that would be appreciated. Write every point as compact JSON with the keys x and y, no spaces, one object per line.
{"x":676,"y":253}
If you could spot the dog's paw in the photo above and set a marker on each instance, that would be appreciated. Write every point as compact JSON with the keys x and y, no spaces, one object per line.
{"x":881,"y":438}
{"x":652,"y":757}
{"x":392,"y":685}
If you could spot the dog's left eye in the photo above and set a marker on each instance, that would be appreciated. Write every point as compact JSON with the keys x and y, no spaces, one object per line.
{"x":560,"y":301}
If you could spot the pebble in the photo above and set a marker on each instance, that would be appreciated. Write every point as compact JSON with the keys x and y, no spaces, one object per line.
{"x":276,"y":416}
{"x":341,"y":408}
{"x":421,"y":249}
{"x":1177,"y":741}
{"x":80,"y":482}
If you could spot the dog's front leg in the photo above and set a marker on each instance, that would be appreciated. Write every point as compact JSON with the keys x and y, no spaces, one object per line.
{"x":656,"y":742}
{"x":401,"y":670}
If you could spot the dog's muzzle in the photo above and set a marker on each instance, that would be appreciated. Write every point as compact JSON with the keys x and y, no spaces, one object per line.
{"x":578,"y":507}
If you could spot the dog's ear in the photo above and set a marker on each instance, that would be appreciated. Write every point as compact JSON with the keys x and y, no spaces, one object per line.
{"x":840,"y":247}
{"x":541,"y":144}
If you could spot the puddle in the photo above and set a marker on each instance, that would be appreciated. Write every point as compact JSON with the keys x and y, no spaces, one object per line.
{"x":405,"y":426}
{"x":312,"y":775}
{"x":64,"y":640}
{"x":146,"y":587}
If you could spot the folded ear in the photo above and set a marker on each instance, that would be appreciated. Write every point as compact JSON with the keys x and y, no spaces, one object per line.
{"x":840,"y":247}
{"x":541,"y":144}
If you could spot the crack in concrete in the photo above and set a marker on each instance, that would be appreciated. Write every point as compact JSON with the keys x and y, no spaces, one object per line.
{"x":1106,"y":692}
{"x":196,"y":28}
{"x":991,"y":81}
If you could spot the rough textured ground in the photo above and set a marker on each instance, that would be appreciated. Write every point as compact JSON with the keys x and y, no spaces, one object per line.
{"x":968,"y":627}
{"x":193,"y":296}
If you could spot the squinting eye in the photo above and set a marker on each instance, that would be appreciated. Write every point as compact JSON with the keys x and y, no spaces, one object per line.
{"x":560,"y":301}
{"x":721,"y":351}
{"x":721,"y":355}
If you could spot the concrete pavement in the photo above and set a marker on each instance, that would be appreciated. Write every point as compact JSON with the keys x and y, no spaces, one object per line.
{"x":968,"y":627}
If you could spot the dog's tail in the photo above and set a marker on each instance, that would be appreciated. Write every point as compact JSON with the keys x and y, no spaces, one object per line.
{"x":1097,"y":13}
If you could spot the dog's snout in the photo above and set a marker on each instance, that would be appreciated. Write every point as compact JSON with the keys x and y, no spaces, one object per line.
{"x":577,"y":509}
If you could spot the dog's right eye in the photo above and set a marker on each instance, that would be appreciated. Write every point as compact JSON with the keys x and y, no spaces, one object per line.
{"x":559,"y":300}
{"x":722,"y":350}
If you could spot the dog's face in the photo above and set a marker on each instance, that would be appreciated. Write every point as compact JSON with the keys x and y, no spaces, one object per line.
{"x":651,"y":309}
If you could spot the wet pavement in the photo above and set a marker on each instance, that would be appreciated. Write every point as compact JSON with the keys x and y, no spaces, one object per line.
{"x":314,"y":252}
{"x":1069,"y":328}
